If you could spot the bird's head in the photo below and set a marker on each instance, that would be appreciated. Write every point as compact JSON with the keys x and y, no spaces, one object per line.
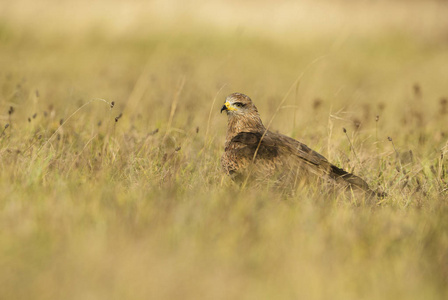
{"x":238,"y":104}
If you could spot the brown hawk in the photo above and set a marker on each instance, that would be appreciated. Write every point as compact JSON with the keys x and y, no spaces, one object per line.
{"x":254,"y":153}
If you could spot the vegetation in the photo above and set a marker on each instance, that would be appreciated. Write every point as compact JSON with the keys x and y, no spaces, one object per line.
{"x":110,"y":141}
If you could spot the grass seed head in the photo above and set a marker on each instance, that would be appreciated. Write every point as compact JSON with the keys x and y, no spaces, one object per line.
{"x":444,"y":106}
{"x":317,"y":103}
{"x":417,"y":90}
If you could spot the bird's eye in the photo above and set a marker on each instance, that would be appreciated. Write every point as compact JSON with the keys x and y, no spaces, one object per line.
{"x":239,"y":104}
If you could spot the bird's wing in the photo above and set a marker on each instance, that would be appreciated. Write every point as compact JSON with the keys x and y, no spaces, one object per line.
{"x":271,"y":148}
{"x":293,"y":147}
{"x":320,"y":162}
{"x":272,"y":145}
{"x":248,"y":142}
{"x":279,"y":149}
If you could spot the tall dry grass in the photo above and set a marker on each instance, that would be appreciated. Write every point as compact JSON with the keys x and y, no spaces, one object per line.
{"x":110,"y":139}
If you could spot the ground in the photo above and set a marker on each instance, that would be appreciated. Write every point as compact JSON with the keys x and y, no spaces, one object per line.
{"x":110,"y":179}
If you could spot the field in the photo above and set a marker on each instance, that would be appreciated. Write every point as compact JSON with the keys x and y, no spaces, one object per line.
{"x":111,"y":137}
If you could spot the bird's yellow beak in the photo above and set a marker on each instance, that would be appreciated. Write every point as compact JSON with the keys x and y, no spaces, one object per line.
{"x":227,"y":106}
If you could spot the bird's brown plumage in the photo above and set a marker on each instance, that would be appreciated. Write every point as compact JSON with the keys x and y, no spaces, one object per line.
{"x":251,"y":151}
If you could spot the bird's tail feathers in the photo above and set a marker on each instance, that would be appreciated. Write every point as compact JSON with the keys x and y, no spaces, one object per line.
{"x":350,"y":179}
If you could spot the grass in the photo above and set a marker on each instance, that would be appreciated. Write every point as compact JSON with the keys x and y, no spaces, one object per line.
{"x":95,"y":207}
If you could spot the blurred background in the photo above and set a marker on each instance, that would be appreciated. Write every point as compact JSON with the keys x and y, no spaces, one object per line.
{"x":358,"y":55}
{"x":129,"y":201}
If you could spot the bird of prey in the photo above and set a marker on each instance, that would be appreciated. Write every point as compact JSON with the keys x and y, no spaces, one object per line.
{"x":255,"y":153}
